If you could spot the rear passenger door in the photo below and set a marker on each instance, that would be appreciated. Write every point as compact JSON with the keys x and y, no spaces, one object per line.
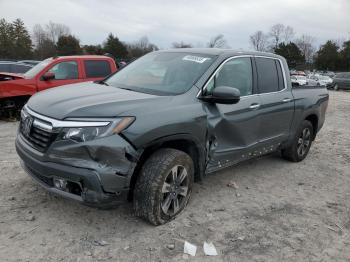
{"x":96,"y":69}
{"x":277,"y":102}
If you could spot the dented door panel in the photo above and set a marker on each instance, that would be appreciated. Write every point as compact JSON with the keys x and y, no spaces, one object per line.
{"x":232,"y":131}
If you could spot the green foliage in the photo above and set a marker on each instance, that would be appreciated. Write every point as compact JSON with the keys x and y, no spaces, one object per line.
{"x":93,"y":50}
{"x":15,"y":42}
{"x":327,"y":57}
{"x":291,"y":53}
{"x":68,"y":45}
{"x":114,"y":47}
{"x":345,"y":56}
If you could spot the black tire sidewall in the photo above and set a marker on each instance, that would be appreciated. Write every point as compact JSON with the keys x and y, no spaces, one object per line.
{"x":148,"y":189}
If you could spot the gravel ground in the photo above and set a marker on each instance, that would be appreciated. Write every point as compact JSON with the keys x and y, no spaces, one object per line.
{"x":272,"y":210}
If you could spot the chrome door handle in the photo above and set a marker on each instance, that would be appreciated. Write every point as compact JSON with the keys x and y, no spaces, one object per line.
{"x":254,"y":106}
{"x":286,"y":100}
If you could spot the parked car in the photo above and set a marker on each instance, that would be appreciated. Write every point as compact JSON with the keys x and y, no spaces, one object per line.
{"x":14,"y":67}
{"x":311,"y":82}
{"x":298,"y":80}
{"x":15,"y":89}
{"x":298,"y":73}
{"x":148,"y":136}
{"x":323,"y":80}
{"x":342,"y":81}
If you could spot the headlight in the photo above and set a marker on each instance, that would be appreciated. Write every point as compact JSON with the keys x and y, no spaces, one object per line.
{"x":87,"y":133}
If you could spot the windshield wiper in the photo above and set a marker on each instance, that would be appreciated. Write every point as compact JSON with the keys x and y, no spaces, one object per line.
{"x":102,"y":83}
{"x":126,"y":88}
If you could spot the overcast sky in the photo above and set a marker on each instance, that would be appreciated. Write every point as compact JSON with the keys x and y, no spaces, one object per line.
{"x":165,"y":22}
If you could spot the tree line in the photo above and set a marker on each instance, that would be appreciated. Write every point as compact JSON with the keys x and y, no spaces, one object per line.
{"x":301,"y":52}
{"x":54,"y":39}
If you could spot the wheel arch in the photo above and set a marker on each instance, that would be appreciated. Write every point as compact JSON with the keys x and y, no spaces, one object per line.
{"x":182,"y":142}
{"x":313,"y":119}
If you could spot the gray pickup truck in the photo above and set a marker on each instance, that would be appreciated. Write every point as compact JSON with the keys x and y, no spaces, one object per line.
{"x":146,"y":133}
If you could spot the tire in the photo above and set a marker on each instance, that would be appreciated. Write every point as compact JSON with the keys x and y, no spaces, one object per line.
{"x":336,"y":88}
{"x":161,"y":181}
{"x":301,"y":144}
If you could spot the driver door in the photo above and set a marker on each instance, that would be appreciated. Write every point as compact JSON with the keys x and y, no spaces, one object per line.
{"x":233,"y":129}
{"x":66,"y":72}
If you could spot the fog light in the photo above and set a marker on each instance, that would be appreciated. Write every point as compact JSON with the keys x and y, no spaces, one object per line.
{"x":60,"y":183}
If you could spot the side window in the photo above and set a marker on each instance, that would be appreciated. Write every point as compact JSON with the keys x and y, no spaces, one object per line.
{"x":235,"y":73}
{"x":97,"y":68}
{"x":281,"y":85}
{"x":267,"y":75}
{"x":65,"y":70}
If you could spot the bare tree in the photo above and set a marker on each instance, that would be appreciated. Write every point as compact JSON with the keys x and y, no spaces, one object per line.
{"x":140,"y":47}
{"x":305,"y":44}
{"x":44,"y":46}
{"x":39,"y":35}
{"x":259,"y":41}
{"x":276,"y":32}
{"x":218,"y":41}
{"x":55,"y":31}
{"x":181,"y":45}
{"x":288,"y":34}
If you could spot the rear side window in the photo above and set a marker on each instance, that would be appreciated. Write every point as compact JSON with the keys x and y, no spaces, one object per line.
{"x":280,"y":75}
{"x":268,"y":80}
{"x":97,"y":68}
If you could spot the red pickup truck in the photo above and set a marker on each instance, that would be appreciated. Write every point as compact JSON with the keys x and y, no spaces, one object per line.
{"x":15,"y":89}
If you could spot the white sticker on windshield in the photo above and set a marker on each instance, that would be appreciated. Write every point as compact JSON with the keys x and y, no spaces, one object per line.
{"x":196,"y":59}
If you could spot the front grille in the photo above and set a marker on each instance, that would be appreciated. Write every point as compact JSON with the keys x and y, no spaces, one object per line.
{"x":37,"y":137}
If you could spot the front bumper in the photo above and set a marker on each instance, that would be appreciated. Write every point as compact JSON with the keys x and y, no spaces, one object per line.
{"x":98,"y":182}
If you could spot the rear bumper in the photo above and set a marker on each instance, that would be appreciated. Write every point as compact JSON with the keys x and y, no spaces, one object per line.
{"x":89,"y":181}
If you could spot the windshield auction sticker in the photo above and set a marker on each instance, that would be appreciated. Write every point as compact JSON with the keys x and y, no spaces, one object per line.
{"x":196,"y":59}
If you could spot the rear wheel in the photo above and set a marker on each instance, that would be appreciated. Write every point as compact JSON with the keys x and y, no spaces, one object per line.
{"x":336,"y":88}
{"x":301,"y":144}
{"x":164,"y":186}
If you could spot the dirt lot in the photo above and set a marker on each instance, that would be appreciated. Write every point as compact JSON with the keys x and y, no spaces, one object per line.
{"x":281,"y":211}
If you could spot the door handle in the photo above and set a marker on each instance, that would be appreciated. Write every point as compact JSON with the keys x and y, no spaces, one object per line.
{"x":254,"y":106}
{"x":286,"y":100}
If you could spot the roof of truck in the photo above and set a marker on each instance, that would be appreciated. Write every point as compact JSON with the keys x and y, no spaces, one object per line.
{"x":219,"y":51}
{"x":82,"y":56}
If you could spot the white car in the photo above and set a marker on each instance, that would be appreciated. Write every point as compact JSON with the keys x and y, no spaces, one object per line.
{"x":323,"y":80}
{"x":298,"y":80}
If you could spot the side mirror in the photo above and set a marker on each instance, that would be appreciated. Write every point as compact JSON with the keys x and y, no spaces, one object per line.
{"x":223,"y":95}
{"x":48,"y":76}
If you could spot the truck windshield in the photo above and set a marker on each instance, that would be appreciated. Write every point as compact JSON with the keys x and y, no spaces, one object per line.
{"x":162,"y":73}
{"x":36,"y":69}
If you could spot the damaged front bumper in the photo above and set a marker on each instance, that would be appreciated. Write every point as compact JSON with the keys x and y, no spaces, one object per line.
{"x":96,"y":173}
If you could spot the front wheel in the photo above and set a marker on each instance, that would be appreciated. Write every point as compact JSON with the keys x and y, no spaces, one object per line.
{"x":336,"y":88}
{"x":301,"y":144}
{"x":164,"y":186}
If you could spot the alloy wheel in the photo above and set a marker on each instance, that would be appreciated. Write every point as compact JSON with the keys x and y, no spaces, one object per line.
{"x":304,"y":142}
{"x":175,"y":190}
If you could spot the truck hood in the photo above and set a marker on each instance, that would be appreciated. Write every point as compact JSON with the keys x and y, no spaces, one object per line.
{"x":10,"y":76}
{"x":90,"y":100}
